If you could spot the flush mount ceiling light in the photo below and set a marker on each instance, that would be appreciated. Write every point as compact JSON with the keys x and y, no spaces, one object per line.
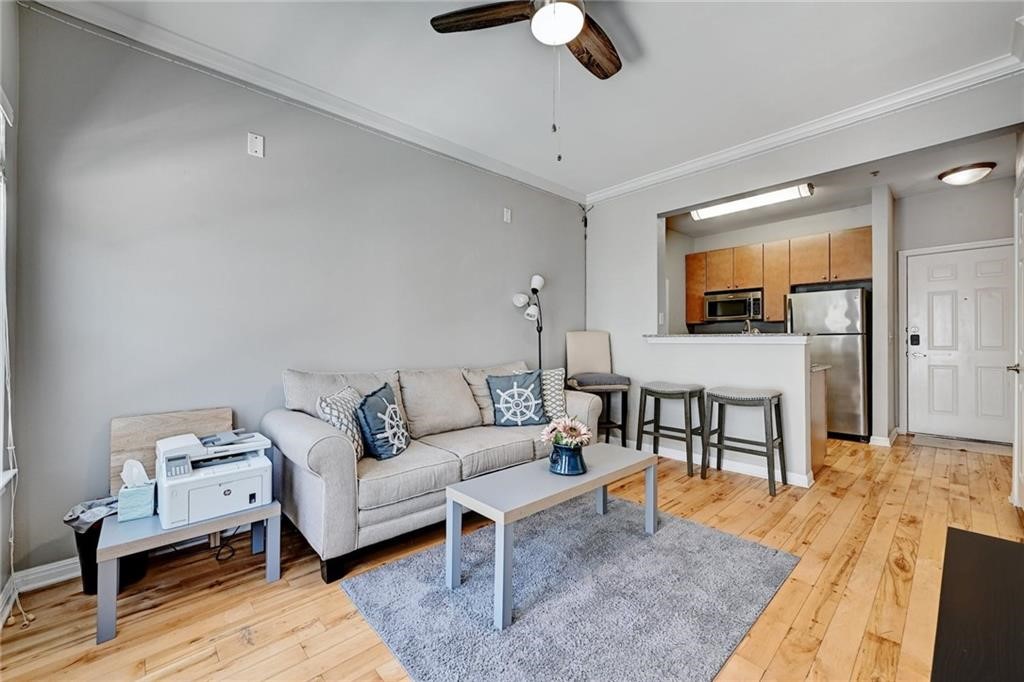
{"x":966,"y":175}
{"x":756,"y":201}
{"x":556,"y":22}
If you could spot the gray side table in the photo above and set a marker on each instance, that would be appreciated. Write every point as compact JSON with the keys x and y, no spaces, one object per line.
{"x":120,"y":539}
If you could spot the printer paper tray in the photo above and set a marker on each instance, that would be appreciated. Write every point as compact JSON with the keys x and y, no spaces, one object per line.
{"x":224,"y":498}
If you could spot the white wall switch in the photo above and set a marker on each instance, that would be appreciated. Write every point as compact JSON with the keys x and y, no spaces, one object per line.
{"x":661,"y":318}
{"x":255,"y":145}
{"x":508,"y":215}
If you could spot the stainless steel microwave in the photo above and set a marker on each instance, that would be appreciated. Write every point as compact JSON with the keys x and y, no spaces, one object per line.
{"x":738,"y":305}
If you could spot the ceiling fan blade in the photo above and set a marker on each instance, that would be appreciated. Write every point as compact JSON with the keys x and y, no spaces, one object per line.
{"x":483,"y":16}
{"x":594,"y":50}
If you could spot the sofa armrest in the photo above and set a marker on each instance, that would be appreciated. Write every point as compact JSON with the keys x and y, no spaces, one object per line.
{"x":316,"y":450}
{"x":584,"y":406}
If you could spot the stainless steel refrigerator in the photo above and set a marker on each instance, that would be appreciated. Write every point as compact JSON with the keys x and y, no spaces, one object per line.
{"x":837,"y":321}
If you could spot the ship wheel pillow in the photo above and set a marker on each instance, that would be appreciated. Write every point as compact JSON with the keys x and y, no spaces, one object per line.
{"x":382,"y":424}
{"x":518,"y":399}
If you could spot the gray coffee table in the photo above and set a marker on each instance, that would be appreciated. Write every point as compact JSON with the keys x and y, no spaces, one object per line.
{"x":512,"y":494}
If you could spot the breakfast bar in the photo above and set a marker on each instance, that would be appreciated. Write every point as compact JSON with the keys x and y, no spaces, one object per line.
{"x":759,"y":361}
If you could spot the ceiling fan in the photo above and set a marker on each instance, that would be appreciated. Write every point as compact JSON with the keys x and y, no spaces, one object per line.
{"x":553,"y":22}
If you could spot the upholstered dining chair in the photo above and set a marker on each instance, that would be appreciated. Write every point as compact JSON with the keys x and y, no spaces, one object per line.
{"x":588,"y":359}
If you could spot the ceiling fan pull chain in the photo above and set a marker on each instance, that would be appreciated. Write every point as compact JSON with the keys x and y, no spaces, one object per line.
{"x":556,"y":88}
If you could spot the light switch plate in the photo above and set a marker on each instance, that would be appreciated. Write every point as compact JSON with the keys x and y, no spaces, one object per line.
{"x":255,"y":145}
{"x":507,"y":216}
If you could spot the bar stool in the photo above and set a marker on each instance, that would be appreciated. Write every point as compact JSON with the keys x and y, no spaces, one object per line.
{"x":588,"y":360}
{"x":766,"y":399}
{"x":664,"y":390}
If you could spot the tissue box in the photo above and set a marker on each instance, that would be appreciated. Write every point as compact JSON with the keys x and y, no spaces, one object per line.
{"x":135,"y":502}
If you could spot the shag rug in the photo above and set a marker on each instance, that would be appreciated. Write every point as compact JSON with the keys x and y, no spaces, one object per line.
{"x":594,"y":598}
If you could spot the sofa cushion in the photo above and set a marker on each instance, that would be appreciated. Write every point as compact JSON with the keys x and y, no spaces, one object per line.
{"x":477,"y":380}
{"x":437,"y":400}
{"x":484,"y":449}
{"x":302,"y":389}
{"x":540,"y":448}
{"x":390,"y":512}
{"x":420,"y":470}
{"x":380,"y":421}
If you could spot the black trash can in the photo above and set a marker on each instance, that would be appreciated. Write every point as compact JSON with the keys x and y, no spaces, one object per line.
{"x":132,"y":568}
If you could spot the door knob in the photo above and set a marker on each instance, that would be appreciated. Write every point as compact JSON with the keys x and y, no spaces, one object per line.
{"x":1014,"y":368}
{"x":920,"y":355}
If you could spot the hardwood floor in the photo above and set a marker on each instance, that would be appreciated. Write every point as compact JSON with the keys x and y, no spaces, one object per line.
{"x":862,"y":602}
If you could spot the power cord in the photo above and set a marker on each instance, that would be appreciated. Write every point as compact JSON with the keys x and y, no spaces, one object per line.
{"x":225,"y":547}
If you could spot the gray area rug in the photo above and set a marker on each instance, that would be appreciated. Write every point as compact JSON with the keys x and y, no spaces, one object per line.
{"x":594,"y":599}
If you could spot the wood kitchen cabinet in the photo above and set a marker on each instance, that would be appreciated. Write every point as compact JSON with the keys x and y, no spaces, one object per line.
{"x":696,"y":282}
{"x":720,"y":270}
{"x":850,"y":254}
{"x":809,"y":259}
{"x":776,"y":280}
{"x":748,"y":267}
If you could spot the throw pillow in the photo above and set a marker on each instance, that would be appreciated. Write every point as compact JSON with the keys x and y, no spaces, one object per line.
{"x":339,"y":410}
{"x":552,"y":387}
{"x":517,"y":399}
{"x":382,"y":424}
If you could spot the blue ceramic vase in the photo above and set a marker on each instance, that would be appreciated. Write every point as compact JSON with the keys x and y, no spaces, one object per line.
{"x":567,"y":461}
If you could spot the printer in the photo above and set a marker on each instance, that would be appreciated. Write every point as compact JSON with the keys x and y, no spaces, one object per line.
{"x":199,"y":479}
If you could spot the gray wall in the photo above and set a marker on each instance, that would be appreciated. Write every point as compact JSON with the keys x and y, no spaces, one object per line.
{"x":161,"y":268}
{"x":955,"y":215}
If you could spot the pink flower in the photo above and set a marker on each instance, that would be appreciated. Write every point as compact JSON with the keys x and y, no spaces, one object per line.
{"x":566,"y":431}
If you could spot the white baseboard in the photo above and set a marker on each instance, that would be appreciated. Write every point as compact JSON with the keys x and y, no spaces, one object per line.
{"x":882,"y":441}
{"x":6,"y":600}
{"x":47,"y":574}
{"x":679,"y":454}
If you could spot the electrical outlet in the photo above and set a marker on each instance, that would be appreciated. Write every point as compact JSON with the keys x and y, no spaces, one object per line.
{"x":661,"y":318}
{"x":255,"y":145}
{"x":508,"y":215}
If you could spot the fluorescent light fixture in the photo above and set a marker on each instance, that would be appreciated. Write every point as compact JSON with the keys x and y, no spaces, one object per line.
{"x":756,"y":201}
{"x":556,"y":22}
{"x":966,"y":175}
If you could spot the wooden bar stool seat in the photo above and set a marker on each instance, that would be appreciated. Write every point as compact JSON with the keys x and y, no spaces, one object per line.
{"x":768,"y":400}
{"x":665,"y":390}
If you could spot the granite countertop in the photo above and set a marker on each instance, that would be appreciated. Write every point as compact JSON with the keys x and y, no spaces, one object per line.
{"x":734,"y":334}
{"x":729,"y":339}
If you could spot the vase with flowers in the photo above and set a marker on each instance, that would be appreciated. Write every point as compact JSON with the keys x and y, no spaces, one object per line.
{"x":567,"y":436}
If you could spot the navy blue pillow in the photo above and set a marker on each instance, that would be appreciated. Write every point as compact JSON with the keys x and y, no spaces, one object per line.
{"x":382,"y":425}
{"x":518,"y":400}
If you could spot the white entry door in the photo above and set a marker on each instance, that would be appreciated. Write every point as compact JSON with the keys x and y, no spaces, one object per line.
{"x":960,"y":335}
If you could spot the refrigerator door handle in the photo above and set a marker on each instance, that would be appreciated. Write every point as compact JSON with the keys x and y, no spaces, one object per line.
{"x":789,"y":314}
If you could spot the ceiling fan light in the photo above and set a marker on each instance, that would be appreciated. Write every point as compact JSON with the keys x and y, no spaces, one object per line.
{"x":556,"y":22}
{"x":966,"y":175}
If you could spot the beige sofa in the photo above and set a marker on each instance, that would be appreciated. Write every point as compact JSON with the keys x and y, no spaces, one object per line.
{"x":340,"y":504}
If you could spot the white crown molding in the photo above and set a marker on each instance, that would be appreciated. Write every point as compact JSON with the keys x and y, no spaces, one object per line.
{"x":959,"y":81}
{"x":266,"y":81}
{"x":273,"y":83}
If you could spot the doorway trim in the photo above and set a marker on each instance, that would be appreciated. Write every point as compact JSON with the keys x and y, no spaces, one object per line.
{"x":901,"y":297}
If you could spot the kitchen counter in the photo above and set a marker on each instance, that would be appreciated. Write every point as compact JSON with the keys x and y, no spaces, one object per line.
{"x":773,"y":361}
{"x":763,"y":338}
